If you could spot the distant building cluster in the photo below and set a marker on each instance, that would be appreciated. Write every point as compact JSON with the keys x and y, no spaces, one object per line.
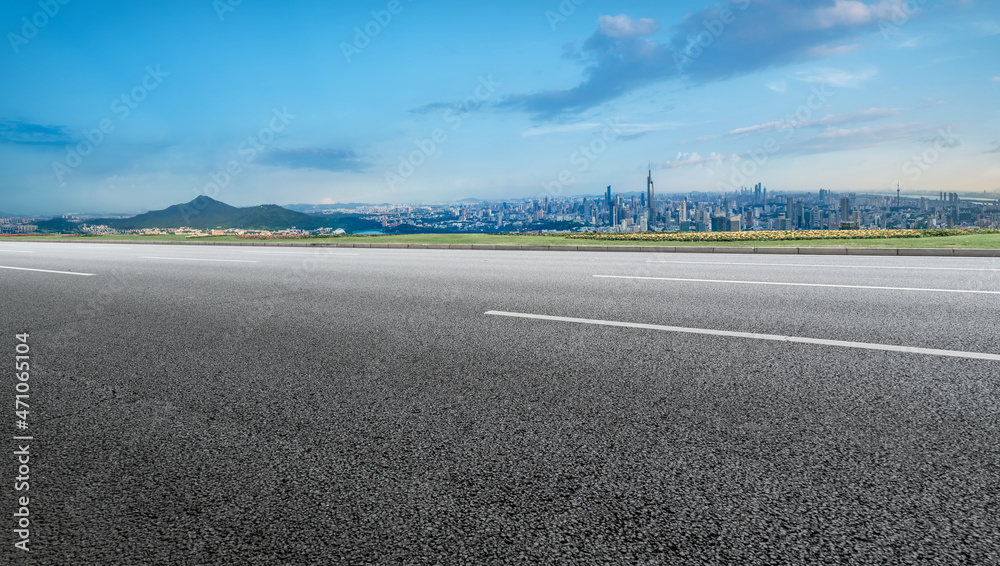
{"x":18,"y":225}
{"x":750,"y":208}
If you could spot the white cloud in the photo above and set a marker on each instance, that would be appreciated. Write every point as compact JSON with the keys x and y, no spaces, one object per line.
{"x":566,"y":128}
{"x":947,"y":59}
{"x":622,"y":26}
{"x":996,"y":79}
{"x":849,"y":117}
{"x":765,"y":127}
{"x":869,"y":136}
{"x":987,"y":27}
{"x":925,"y":40}
{"x":778,"y":86}
{"x":646,"y":128}
{"x":621,"y":128}
{"x":824,"y":51}
{"x":696,"y":160}
{"x":826,"y":121}
{"x":838,"y":77}
{"x":854,"y":13}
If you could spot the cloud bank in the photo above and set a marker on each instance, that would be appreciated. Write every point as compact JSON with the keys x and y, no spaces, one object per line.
{"x":735,"y":38}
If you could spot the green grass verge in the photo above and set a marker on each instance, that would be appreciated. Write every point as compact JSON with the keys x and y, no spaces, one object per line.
{"x":980,"y":241}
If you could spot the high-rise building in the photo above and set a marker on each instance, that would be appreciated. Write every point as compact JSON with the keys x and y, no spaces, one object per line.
{"x":845,"y":208}
{"x":650,"y":198}
{"x":720,"y":224}
{"x":607,"y":205}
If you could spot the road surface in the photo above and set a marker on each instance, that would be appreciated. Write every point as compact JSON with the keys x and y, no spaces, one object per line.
{"x":224,"y":405}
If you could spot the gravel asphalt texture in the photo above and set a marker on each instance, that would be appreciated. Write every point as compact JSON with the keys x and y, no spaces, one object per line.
{"x":337,"y":406}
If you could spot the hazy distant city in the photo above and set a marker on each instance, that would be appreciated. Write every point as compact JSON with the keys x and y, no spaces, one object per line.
{"x":749,"y":209}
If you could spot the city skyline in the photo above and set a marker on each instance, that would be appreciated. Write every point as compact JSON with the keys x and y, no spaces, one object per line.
{"x":749,"y":209}
{"x":404,"y":103}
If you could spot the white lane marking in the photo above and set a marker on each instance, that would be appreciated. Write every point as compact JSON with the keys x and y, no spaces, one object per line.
{"x":201,"y":259}
{"x":801,"y":284}
{"x":46,"y":270}
{"x":826,"y":265}
{"x":754,"y":336}
{"x":15,"y":251}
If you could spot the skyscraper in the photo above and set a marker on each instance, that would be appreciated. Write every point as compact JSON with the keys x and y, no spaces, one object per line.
{"x":650,"y":198}
{"x":845,"y":209}
{"x":607,"y":205}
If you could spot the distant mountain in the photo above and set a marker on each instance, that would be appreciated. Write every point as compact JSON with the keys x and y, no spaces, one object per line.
{"x":205,"y":213}
{"x":274,"y":217}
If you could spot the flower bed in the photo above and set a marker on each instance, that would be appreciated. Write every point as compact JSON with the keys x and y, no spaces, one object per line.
{"x":773,"y":235}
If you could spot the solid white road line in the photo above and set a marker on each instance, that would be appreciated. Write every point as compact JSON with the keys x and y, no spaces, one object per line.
{"x":15,"y":251}
{"x":202,"y":259}
{"x":800,"y":284}
{"x":46,"y":270}
{"x":772,"y":337}
{"x":826,"y":265}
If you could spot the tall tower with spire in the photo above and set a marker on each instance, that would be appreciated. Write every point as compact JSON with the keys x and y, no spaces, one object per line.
{"x":650,"y":198}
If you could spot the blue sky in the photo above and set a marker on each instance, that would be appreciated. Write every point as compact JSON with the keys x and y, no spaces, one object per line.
{"x":130,"y":106}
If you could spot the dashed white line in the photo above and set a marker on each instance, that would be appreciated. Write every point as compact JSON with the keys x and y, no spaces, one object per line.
{"x":46,"y":270}
{"x":781,"y":283}
{"x":754,"y":336}
{"x":201,"y":259}
{"x":826,"y":265}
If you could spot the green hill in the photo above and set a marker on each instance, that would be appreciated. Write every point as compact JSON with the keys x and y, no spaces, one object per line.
{"x":57,"y":226}
{"x":274,"y":217}
{"x":205,"y":213}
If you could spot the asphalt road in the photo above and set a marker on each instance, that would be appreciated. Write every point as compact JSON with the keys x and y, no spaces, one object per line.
{"x":359,"y":406}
